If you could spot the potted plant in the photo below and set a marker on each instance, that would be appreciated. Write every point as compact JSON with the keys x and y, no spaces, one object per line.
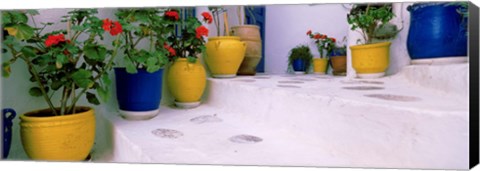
{"x":371,"y":58}
{"x":59,"y":61}
{"x":338,"y":60}
{"x":250,"y":34}
{"x":139,"y":83}
{"x":224,"y":53}
{"x":186,"y":76}
{"x":438,"y":32}
{"x":300,"y":59}
{"x":325,"y":46}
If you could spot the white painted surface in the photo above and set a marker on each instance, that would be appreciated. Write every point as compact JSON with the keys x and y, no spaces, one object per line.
{"x":319,"y":124}
{"x":286,"y":27}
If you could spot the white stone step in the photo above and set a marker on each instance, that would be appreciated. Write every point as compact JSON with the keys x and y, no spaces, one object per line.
{"x":304,"y":120}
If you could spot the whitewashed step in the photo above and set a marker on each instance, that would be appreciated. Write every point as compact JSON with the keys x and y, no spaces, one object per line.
{"x":307,"y":120}
{"x":451,"y":78}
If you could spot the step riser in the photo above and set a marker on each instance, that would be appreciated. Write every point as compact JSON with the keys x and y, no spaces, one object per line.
{"x":368,"y":138}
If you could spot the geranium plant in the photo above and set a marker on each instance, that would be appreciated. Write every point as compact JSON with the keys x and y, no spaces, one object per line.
{"x":323,"y":42}
{"x":71,"y":61}
{"x":190,"y":40}
{"x":373,"y":20}
{"x":151,"y":26}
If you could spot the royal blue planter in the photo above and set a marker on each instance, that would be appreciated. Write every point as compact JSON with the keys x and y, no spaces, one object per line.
{"x":436,"y":30}
{"x":138,"y":92}
{"x":298,"y":65}
{"x":7,"y":116}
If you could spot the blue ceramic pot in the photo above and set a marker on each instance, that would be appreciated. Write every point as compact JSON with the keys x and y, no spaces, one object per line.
{"x":436,"y":30}
{"x":138,"y":92}
{"x":7,"y":116}
{"x":298,"y":65}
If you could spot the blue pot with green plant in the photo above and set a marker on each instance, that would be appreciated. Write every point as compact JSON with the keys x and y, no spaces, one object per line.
{"x":300,"y":59}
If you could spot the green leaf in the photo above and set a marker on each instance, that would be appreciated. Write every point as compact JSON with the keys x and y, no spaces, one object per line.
{"x":82,"y":78}
{"x":92,"y":98}
{"x":20,"y":31}
{"x":6,"y":18}
{"x":103,"y":93}
{"x":28,"y":51}
{"x":191,"y":59}
{"x":35,"y":91}
{"x":130,"y":66}
{"x":95,"y":52}
{"x":6,"y":69}
{"x":106,"y":80}
{"x":55,"y":85}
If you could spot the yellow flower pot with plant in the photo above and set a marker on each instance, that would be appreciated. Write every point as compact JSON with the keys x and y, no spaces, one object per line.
{"x":325,"y":46}
{"x":59,"y":62}
{"x":371,"y":59}
{"x":186,"y":77}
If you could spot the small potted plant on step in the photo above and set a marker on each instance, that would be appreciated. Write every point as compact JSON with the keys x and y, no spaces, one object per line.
{"x":186,"y":77}
{"x":325,"y":46}
{"x":250,"y":34}
{"x":59,"y":61}
{"x":139,"y":83}
{"x":300,"y":60}
{"x":224,"y":53}
{"x":371,"y":58}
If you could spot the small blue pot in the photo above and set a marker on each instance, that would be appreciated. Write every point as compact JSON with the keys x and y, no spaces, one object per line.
{"x":7,"y":116}
{"x":299,"y":65}
{"x":138,"y":92}
{"x":436,"y":30}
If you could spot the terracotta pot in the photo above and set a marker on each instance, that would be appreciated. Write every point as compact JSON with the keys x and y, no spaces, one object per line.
{"x":58,"y":138}
{"x":339,"y":65}
{"x":250,"y":34}
{"x":186,"y":82}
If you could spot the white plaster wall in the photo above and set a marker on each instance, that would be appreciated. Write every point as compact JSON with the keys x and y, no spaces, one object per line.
{"x":15,"y":88}
{"x":286,"y":27}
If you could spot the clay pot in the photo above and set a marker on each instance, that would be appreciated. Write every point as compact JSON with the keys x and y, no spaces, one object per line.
{"x":250,"y":34}
{"x":339,"y":65}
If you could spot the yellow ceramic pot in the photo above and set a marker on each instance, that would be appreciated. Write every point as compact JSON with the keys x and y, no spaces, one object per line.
{"x":186,"y":82}
{"x":224,"y":55}
{"x":371,"y":60}
{"x":320,"y":65}
{"x":58,"y":138}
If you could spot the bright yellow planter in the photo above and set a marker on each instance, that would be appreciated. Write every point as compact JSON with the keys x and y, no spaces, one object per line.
{"x":224,"y":55}
{"x":371,"y":60}
{"x":186,"y":82}
{"x":58,"y":138}
{"x":320,"y":65}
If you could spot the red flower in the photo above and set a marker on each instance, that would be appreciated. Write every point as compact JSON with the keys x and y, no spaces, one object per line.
{"x":107,"y":24}
{"x":170,"y":49}
{"x":333,"y":40}
{"x":317,"y":36}
{"x":172,"y":14}
{"x":323,"y":37}
{"x":201,"y":31}
{"x":207,"y":17}
{"x":115,"y":28}
{"x":309,"y":32}
{"x":54,"y":40}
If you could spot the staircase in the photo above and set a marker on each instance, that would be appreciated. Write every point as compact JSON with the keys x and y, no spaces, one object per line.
{"x":417,"y":118}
